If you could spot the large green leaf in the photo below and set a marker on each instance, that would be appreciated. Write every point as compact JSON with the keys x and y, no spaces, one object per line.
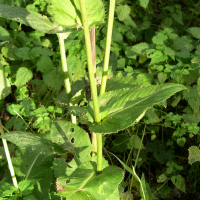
{"x":34,"y":166}
{"x":29,"y":18}
{"x":67,"y":13}
{"x":74,"y":138}
{"x":5,"y":88}
{"x":85,"y":184}
{"x":33,"y":143}
{"x":122,"y":108}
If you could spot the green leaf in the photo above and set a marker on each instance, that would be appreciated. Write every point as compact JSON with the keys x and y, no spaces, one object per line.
{"x":123,"y":11}
{"x":162,"y":77}
{"x":44,"y":64}
{"x":85,"y":184}
{"x":73,"y":138}
{"x":195,"y":31}
{"x":23,"y":76}
{"x":29,"y":18}
{"x":184,"y":43}
{"x":5,"y":35}
{"x":6,"y":189}
{"x":183,"y":54}
{"x":181,"y":141}
{"x":53,"y":79}
{"x":179,"y":182}
{"x":76,"y":68}
{"x":162,"y":178}
{"x":194,"y":154}
{"x":193,"y":97}
{"x":23,"y":53}
{"x":144,"y":3}
{"x":67,"y":13}
{"x":78,"y":91}
{"x":136,"y":79}
{"x":128,"y":106}
{"x":26,"y":186}
{"x":32,"y":143}
{"x":34,"y":167}
{"x":143,"y":190}
{"x":140,"y":48}
{"x":159,"y":38}
{"x":157,"y":57}
{"x":129,"y":22}
{"x":5,"y":87}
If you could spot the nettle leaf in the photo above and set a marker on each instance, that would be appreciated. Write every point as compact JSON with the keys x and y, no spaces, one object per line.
{"x":32,"y":143}
{"x":53,"y":79}
{"x":159,"y":39}
{"x":140,"y":48}
{"x":29,"y":18}
{"x":195,"y":31}
{"x":5,"y":35}
{"x":193,"y":97}
{"x":194,"y":154}
{"x":123,"y":11}
{"x":23,"y":53}
{"x":76,"y":68}
{"x":5,"y":87}
{"x":68,"y":14}
{"x":184,"y":43}
{"x":157,"y":57}
{"x":183,"y":54}
{"x":122,"y":108}
{"x":6,"y":189}
{"x":23,"y":76}
{"x":85,"y":184}
{"x":144,"y":3}
{"x":44,"y":64}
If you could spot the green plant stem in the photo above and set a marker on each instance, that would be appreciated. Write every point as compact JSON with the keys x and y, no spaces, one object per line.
{"x":140,"y":146}
{"x":61,"y":38}
{"x":12,"y":172}
{"x":93,"y":86}
{"x":108,"y":44}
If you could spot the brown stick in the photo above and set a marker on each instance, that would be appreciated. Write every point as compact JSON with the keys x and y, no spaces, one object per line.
{"x":92,"y":40}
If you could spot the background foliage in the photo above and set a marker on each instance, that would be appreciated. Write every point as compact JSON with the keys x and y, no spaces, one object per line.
{"x":159,"y":44}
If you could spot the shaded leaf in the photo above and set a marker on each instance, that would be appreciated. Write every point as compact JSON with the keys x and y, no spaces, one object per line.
{"x":5,"y":87}
{"x":195,"y":31}
{"x":29,"y":18}
{"x":144,"y":3}
{"x":32,"y":143}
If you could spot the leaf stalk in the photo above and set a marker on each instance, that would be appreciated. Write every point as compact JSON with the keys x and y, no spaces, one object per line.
{"x":61,"y":38}
{"x":108,"y":44}
{"x":12,"y":172}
